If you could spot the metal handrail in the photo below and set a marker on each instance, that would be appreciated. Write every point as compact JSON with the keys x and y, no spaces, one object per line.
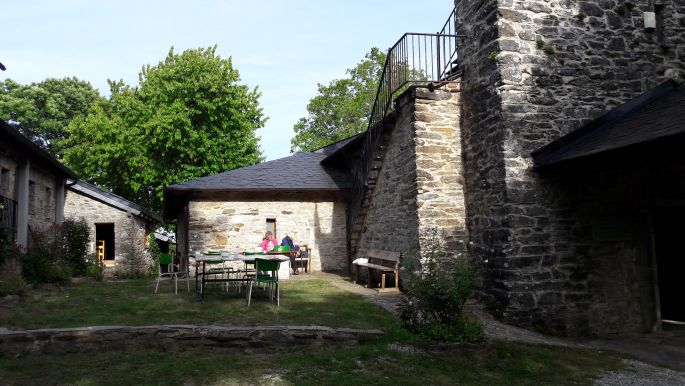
{"x":416,"y":58}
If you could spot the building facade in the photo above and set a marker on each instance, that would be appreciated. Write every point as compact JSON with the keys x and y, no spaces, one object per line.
{"x":119,"y":228}
{"x":32,"y":187}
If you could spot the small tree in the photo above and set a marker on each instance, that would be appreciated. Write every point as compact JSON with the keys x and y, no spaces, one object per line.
{"x":190,"y":116}
{"x":342,"y":108}
{"x":439,"y":284}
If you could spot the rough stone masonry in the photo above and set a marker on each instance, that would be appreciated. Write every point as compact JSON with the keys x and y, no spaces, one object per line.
{"x":533,"y":71}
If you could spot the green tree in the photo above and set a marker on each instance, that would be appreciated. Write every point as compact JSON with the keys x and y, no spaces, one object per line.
{"x":42,"y":111}
{"x":341,"y":109}
{"x":189,"y":117}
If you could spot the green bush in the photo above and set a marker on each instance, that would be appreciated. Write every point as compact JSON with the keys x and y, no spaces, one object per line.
{"x":11,"y":283}
{"x":56,"y":256}
{"x":42,"y":265}
{"x":73,"y":236}
{"x":438,"y":287}
{"x":154,"y":251}
{"x":6,"y":245}
{"x":95,"y":269}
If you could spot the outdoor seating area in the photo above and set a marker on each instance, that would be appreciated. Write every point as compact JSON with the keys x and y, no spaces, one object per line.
{"x":238,"y":272}
{"x":383,"y":262}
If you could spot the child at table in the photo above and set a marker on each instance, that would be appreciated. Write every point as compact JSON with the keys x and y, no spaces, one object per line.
{"x":269,"y":242}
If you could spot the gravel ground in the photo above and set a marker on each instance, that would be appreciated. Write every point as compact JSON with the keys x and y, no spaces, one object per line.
{"x":638,"y":373}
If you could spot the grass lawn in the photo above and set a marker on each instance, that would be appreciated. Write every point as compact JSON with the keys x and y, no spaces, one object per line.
{"x":133,"y":303}
{"x":303,"y":302}
{"x":370,"y":363}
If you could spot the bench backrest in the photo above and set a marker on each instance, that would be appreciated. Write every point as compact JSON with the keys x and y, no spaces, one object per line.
{"x":384,"y":258}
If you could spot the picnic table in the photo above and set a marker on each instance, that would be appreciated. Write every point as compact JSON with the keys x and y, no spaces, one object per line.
{"x":229,"y":275}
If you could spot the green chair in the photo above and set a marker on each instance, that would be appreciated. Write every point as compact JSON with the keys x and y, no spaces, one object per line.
{"x":267,"y":274}
{"x":167,"y":262}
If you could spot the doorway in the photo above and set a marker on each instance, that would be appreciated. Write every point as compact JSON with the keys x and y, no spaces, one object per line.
{"x":104,"y":243}
{"x":669,"y":232}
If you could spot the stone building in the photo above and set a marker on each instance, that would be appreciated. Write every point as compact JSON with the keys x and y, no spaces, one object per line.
{"x":31,"y":186}
{"x":295,"y":195}
{"x":549,"y":153}
{"x":569,"y":250}
{"x":119,"y":228}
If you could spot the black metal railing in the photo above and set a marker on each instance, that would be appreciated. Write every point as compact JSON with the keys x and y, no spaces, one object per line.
{"x":416,"y":59}
{"x":8,"y":213}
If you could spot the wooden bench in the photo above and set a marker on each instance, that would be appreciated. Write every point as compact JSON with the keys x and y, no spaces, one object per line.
{"x":382,"y":261}
{"x":304,"y":258}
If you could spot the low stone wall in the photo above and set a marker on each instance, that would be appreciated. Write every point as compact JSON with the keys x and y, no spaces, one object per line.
{"x":168,"y":337}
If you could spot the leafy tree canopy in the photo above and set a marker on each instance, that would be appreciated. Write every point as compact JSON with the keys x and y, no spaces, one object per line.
{"x":189,"y":117}
{"x":42,"y":111}
{"x":342,"y":108}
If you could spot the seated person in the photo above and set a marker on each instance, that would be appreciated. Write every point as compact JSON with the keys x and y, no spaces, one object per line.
{"x":289,"y":242}
{"x":269,"y":242}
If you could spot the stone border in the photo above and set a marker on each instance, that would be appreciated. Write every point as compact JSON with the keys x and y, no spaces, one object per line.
{"x":170,"y":337}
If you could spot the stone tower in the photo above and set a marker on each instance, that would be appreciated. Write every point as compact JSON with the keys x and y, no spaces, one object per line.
{"x":534,"y":70}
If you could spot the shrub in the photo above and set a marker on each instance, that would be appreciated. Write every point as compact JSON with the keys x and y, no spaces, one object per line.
{"x":11,"y":283}
{"x":56,"y":256}
{"x":437,"y":289}
{"x":6,"y":245}
{"x":73,"y":236}
{"x":42,"y":265}
{"x":154,"y":251}
{"x":95,"y":268}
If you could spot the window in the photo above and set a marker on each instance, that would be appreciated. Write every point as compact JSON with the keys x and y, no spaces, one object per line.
{"x":48,"y":195}
{"x":271,"y":226}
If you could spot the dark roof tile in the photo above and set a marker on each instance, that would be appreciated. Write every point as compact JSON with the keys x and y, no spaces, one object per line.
{"x":301,"y":171}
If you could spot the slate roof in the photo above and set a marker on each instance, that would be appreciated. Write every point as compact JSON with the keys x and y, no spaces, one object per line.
{"x":654,"y":115}
{"x":337,"y":146}
{"x":301,"y":171}
{"x":113,"y":200}
{"x":33,"y":151}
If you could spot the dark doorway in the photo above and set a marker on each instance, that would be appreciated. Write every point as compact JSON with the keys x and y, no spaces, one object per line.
{"x":104,"y":242}
{"x":669,"y":232}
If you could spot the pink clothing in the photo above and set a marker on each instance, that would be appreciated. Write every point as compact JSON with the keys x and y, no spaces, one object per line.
{"x":268,"y":245}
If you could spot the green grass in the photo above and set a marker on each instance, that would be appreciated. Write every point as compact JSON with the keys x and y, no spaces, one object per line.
{"x":370,"y":363}
{"x":303,"y":303}
{"x":132,"y":303}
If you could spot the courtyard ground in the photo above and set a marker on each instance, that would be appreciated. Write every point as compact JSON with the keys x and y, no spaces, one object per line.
{"x":396,"y":357}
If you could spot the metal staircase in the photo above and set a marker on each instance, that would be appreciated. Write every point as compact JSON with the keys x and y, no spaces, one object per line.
{"x":417,"y":59}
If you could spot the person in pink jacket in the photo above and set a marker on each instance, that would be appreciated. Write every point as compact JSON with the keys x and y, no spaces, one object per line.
{"x":269,"y":242}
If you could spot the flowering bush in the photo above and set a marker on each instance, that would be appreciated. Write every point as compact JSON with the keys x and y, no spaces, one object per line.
{"x":438,"y":287}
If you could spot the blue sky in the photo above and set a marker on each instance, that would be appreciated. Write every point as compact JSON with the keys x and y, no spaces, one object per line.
{"x":283,"y":47}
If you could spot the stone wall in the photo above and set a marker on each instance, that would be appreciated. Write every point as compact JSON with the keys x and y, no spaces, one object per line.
{"x":237,"y":222}
{"x":42,"y":199}
{"x":130,"y":245}
{"x":439,"y":180}
{"x":535,"y":70}
{"x":174,"y":337}
{"x":419,"y":186}
{"x":42,"y":190}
